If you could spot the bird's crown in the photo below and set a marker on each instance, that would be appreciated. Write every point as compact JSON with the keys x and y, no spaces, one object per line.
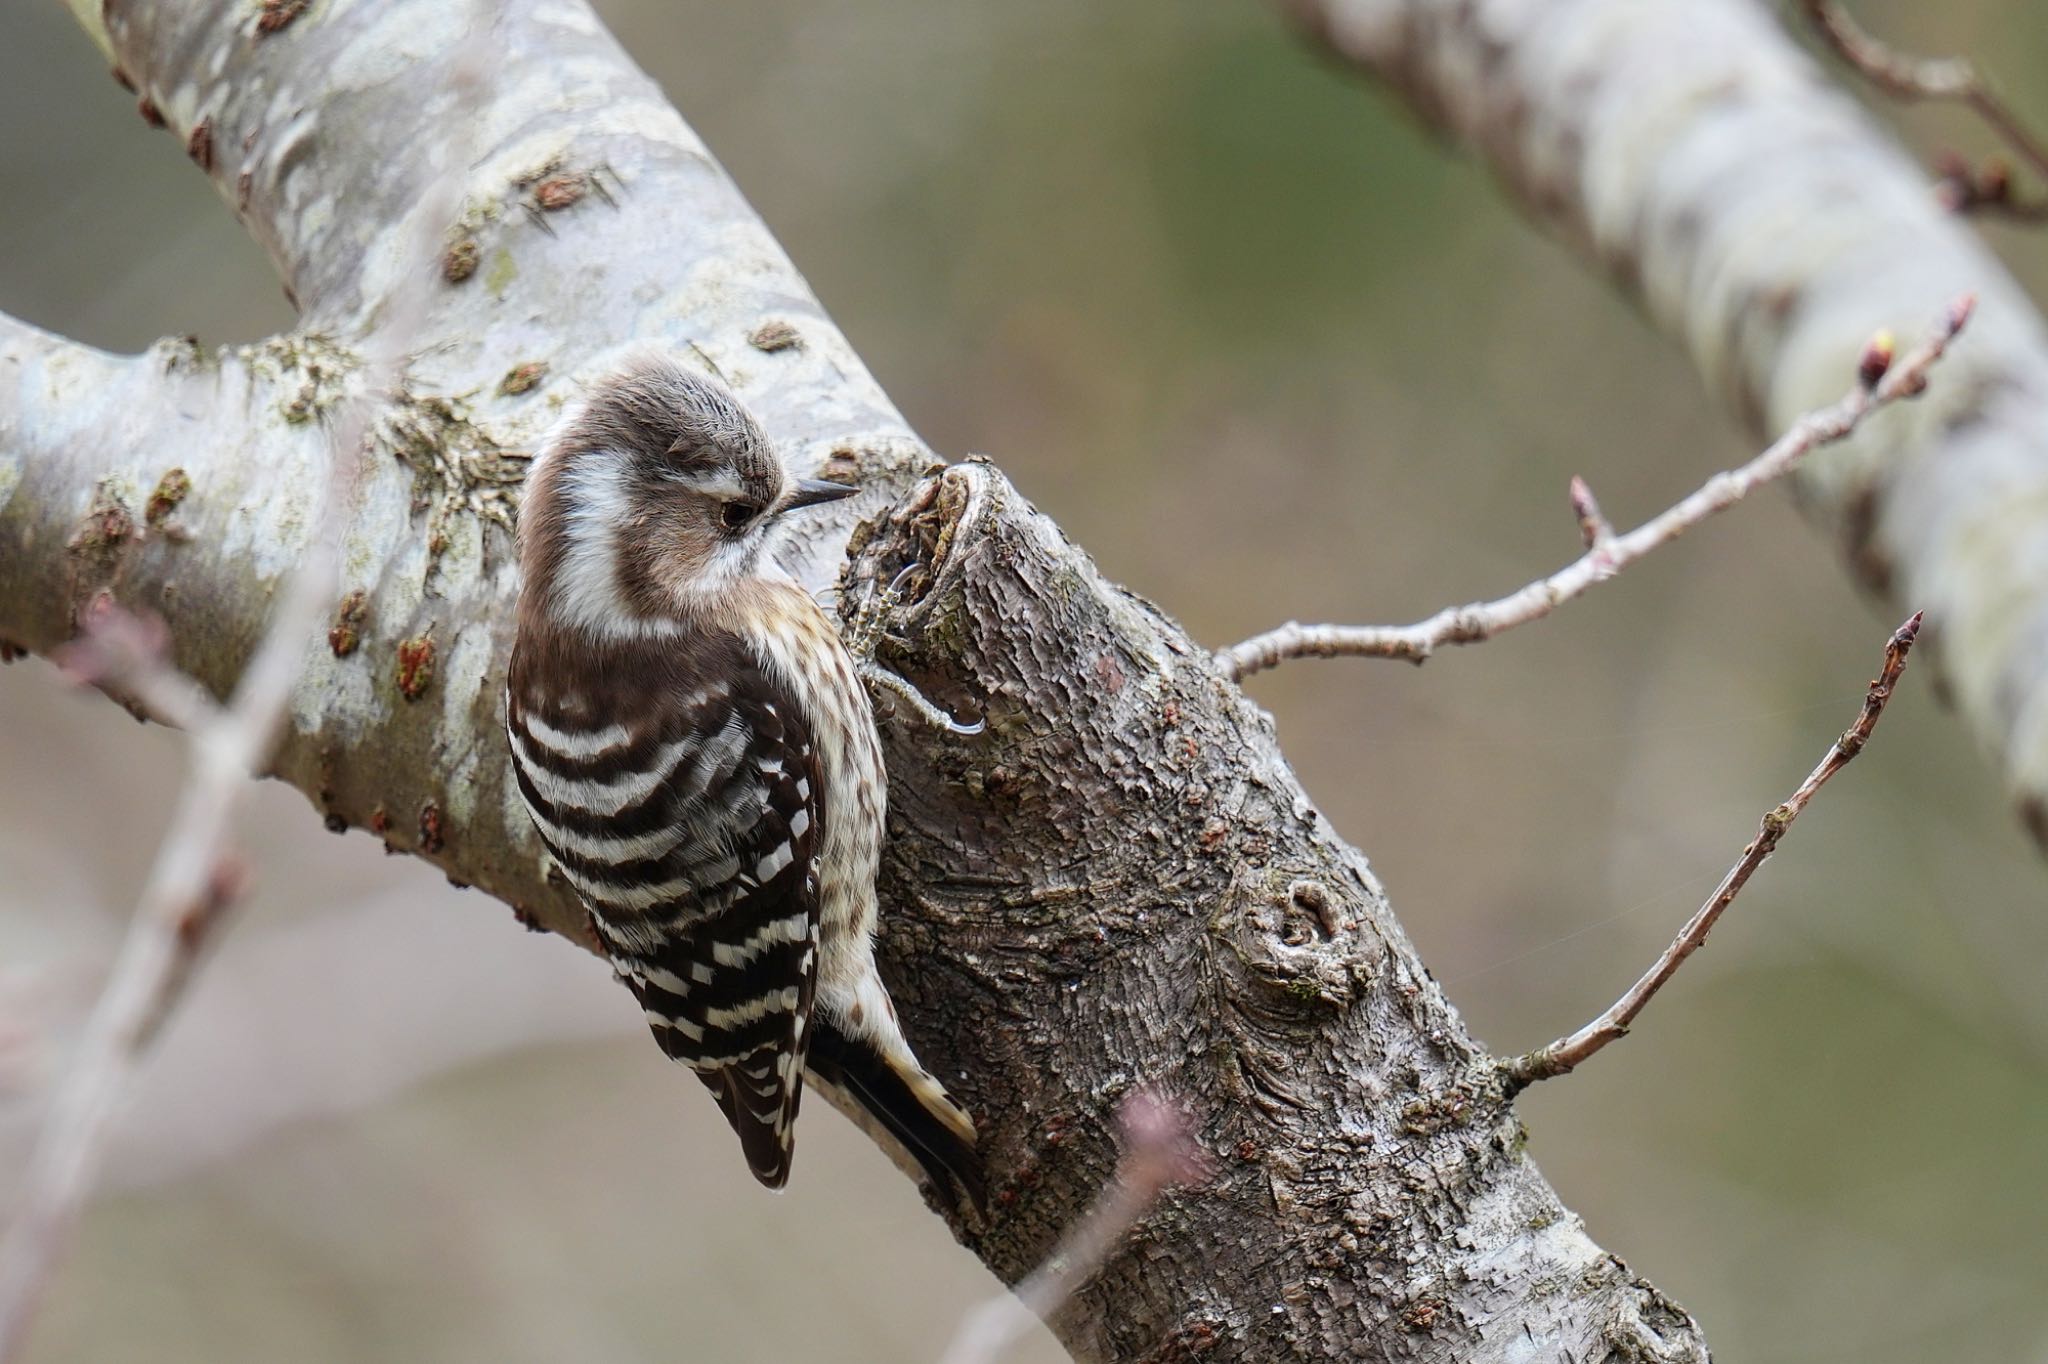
{"x":679,"y":427}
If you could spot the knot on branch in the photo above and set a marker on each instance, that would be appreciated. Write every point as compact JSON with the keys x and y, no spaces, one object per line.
{"x":1292,"y":937}
{"x":890,"y":599}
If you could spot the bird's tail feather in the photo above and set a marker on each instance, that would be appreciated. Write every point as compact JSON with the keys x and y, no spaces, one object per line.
{"x":912,"y":1106}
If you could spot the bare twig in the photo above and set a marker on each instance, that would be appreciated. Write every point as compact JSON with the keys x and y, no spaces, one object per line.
{"x":195,"y":878}
{"x":1954,"y":79}
{"x":127,"y":656}
{"x":1880,"y":381}
{"x":1159,"y":1154}
{"x":1984,"y":190}
{"x":1567,"y":1053}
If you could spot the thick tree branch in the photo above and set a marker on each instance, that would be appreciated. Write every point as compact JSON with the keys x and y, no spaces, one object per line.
{"x":195,"y":878}
{"x":1158,"y":1154}
{"x":1121,"y":882}
{"x":1692,"y":152}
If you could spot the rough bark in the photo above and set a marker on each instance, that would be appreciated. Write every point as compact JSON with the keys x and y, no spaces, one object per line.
{"x":1119,"y":882}
{"x":1123,"y":882}
{"x":1691,"y":151}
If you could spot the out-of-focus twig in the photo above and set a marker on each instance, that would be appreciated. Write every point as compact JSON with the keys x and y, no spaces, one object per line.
{"x":1953,"y":79}
{"x":1159,"y":1153}
{"x":127,"y":656}
{"x":1985,"y":190}
{"x":1881,"y":379}
{"x":195,"y":878}
{"x":1567,"y":1053}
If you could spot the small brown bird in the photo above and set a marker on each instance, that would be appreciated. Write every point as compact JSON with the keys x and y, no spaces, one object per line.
{"x":698,"y":754}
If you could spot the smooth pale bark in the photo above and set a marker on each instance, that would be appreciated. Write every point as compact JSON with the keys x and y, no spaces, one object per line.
{"x":1695,"y":154}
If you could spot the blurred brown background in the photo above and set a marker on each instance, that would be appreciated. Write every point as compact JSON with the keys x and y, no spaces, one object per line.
{"x":1266,"y":351}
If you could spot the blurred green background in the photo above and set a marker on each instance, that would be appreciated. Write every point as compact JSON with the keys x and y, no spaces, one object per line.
{"x":1261,"y":346}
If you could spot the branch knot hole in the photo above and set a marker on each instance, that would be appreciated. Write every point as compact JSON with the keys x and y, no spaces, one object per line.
{"x":1290,"y":935}
{"x":903,"y":612}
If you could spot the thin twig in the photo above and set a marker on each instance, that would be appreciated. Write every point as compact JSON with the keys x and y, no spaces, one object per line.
{"x":128,"y":657}
{"x":1159,"y":1154}
{"x":194,"y":878}
{"x":1879,"y":382}
{"x":1954,"y":79}
{"x":1567,"y":1053}
{"x":1985,"y":190}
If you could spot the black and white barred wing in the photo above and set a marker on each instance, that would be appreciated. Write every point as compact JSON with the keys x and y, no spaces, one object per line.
{"x":692,"y":832}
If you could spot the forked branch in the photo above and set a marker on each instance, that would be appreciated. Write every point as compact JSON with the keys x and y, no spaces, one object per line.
{"x":1880,"y":381}
{"x":1567,"y":1053}
{"x":1949,"y":79}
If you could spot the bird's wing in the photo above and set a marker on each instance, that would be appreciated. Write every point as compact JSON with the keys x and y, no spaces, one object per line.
{"x":695,"y":842}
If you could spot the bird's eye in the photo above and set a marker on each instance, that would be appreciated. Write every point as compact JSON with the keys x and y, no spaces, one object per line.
{"x":735,"y":515}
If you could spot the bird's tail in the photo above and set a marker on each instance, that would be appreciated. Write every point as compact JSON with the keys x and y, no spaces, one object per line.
{"x":905,"y":1099}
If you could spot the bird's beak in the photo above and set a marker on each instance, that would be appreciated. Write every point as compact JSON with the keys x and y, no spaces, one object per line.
{"x":811,"y":491}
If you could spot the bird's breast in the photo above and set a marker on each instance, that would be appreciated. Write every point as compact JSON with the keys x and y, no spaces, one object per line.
{"x":801,"y":647}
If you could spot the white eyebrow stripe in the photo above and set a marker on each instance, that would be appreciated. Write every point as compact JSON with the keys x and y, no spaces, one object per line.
{"x":586,"y":592}
{"x":711,"y":482}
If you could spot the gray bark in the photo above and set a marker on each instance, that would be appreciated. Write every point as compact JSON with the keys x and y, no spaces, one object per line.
{"x":1692,"y":152}
{"x":1121,"y":882}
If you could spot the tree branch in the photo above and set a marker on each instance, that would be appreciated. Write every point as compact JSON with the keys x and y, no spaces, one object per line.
{"x":1879,"y":383}
{"x":1690,"y":151}
{"x":1953,"y":79}
{"x":1118,"y":881}
{"x":1566,"y":1054}
{"x":195,"y":878}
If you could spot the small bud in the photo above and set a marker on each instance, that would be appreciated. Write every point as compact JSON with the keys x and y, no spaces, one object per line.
{"x":1994,"y":182}
{"x":1877,"y":358}
{"x":1583,"y":505}
{"x":1593,"y":526}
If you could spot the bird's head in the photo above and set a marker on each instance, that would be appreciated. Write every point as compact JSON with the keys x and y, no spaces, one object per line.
{"x":655,"y":497}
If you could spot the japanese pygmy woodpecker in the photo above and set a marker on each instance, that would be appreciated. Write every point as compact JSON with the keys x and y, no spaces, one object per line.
{"x":697,"y":752}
